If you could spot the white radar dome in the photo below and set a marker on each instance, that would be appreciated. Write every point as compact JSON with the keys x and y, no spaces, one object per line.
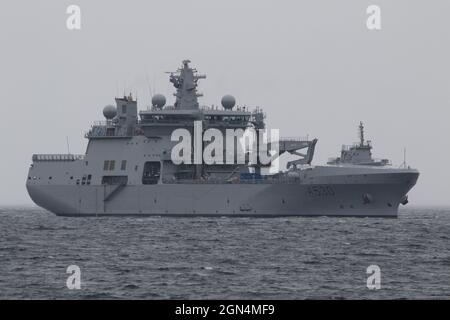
{"x":228,"y":102}
{"x":158,"y":100}
{"x":109,"y":112}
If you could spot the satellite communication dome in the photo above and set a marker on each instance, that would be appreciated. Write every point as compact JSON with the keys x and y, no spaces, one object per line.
{"x":228,"y":102}
{"x":158,"y":100}
{"x":109,"y":112}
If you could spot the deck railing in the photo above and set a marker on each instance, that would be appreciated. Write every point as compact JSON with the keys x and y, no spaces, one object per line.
{"x":294,"y":138}
{"x":263,"y":180}
{"x":98,"y":130}
{"x":57,"y":157}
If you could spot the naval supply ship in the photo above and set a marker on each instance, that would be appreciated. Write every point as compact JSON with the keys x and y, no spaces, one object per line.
{"x":128,"y":168}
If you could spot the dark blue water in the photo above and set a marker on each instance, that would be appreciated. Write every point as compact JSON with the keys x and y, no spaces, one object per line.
{"x":224,"y":258}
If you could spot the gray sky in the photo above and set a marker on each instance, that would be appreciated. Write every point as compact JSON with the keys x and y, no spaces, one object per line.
{"x":313,"y":66}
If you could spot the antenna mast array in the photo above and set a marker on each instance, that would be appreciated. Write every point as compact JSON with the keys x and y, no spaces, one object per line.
{"x":361,"y":133}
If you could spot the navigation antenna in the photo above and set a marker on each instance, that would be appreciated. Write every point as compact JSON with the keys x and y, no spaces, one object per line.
{"x":149,"y":91}
{"x":404,"y":158}
{"x":67,"y":142}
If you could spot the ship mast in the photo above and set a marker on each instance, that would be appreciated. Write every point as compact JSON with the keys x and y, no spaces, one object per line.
{"x":361,"y":133}
{"x":185,"y":81}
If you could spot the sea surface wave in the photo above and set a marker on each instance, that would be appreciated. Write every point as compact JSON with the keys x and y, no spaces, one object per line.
{"x":224,"y":258}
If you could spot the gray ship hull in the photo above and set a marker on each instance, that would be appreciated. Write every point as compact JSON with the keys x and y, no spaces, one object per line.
{"x":190,"y":160}
{"x":330,"y":191}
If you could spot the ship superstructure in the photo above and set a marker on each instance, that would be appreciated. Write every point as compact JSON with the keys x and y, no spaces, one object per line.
{"x":358,"y":153}
{"x":128,"y":168}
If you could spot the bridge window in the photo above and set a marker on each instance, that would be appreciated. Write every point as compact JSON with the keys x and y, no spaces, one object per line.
{"x":110,"y":132}
{"x":152,"y":172}
{"x":123,"y":165}
{"x":115,"y":180}
{"x":109,"y":165}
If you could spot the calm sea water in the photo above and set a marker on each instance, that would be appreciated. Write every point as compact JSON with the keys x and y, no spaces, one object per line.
{"x":224,"y":258}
